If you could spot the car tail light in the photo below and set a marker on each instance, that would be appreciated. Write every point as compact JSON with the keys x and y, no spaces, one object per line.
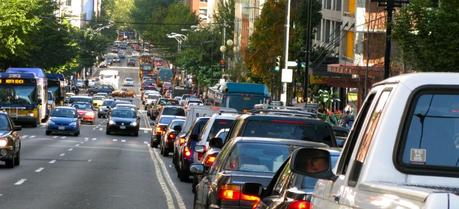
{"x":187,"y":153}
{"x":229,"y":192}
{"x":171,"y":136}
{"x":300,"y":204}
{"x":182,"y":141}
{"x":159,"y":130}
{"x":210,"y":159}
{"x":201,"y":154}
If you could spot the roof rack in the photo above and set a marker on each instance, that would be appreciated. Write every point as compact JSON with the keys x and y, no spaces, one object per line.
{"x":284,"y":112}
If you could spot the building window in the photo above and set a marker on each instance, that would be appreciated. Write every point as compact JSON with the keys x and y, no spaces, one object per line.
{"x":203,"y":12}
{"x":68,"y":2}
{"x":327,"y":31}
{"x":329,"y":4}
{"x":338,"y":5}
{"x":203,"y":0}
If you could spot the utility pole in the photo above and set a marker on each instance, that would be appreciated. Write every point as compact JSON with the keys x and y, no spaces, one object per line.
{"x":390,"y":9}
{"x":287,"y":32}
{"x":307,"y":54}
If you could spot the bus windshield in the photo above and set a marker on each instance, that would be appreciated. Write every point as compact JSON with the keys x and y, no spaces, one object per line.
{"x":242,"y":102}
{"x":20,"y":95}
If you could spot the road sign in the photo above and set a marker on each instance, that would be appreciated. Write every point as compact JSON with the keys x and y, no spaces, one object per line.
{"x":287,"y":75}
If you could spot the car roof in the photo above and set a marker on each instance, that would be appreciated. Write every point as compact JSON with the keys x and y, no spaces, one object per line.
{"x":84,"y":97}
{"x":279,"y":141}
{"x":172,"y":116}
{"x":172,"y":106}
{"x":280,"y":117}
{"x":124,"y":108}
{"x":228,"y":116}
{"x":65,"y":107}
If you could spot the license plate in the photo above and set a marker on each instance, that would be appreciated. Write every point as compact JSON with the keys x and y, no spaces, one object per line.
{"x":61,"y":128}
{"x":122,"y":127}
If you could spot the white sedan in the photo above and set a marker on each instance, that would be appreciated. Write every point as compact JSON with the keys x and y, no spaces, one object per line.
{"x":128,"y":82}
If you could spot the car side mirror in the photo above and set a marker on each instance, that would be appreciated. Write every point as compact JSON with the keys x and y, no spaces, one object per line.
{"x":17,"y":128}
{"x":177,"y":129}
{"x":312,"y":162}
{"x":199,"y":148}
{"x":254,"y":189}
{"x":197,"y":168}
{"x":216,"y":143}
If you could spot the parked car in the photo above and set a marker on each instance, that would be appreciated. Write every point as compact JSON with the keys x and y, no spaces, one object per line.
{"x":273,"y":125}
{"x":85,"y":112}
{"x":159,"y":128}
{"x":167,"y":141}
{"x":128,"y":82}
{"x":10,"y":141}
{"x":288,"y":189}
{"x":63,"y":120}
{"x":244,"y":159}
{"x":183,"y":154}
{"x":123,"y":120}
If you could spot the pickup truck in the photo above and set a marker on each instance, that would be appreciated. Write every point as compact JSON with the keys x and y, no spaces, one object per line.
{"x":402,"y":151}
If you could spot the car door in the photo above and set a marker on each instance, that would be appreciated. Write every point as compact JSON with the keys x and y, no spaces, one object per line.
{"x":276,"y":199}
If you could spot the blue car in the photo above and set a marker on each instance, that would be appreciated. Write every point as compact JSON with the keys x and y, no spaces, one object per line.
{"x":63,"y":120}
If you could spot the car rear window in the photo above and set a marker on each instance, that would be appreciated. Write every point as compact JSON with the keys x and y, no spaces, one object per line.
{"x":166,"y":120}
{"x":173,"y":111}
{"x":257,"y":157}
{"x":198,"y":126}
{"x":289,"y":129}
{"x":218,"y":125}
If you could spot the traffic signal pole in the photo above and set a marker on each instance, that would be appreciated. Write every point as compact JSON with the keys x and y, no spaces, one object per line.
{"x":390,"y":9}
{"x":307,"y":54}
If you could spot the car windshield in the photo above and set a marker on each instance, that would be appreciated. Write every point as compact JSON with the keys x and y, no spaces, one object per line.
{"x":173,"y":111}
{"x":98,"y":98}
{"x":168,"y":102}
{"x":63,"y":113}
{"x":124,"y":113}
{"x":82,"y":106}
{"x":257,"y":157}
{"x":153,"y":96}
{"x":128,"y":79}
{"x":424,"y":145}
{"x":289,"y":129}
{"x":80,"y":99}
{"x":4,"y":125}
{"x":108,"y":103}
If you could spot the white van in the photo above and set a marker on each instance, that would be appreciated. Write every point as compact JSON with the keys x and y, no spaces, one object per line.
{"x":109,"y":77}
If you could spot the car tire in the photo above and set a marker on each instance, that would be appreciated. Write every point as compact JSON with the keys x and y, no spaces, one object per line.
{"x":165,"y":152}
{"x":48,"y":133}
{"x":153,"y":144}
{"x":10,"y":162}
{"x":18,"y":159}
{"x":107,"y":132}
{"x":194,"y":184}
{"x":174,"y":159}
{"x":76,"y":133}
{"x":99,"y":116}
{"x":161,"y":148}
{"x":182,"y":174}
{"x":194,"y":202}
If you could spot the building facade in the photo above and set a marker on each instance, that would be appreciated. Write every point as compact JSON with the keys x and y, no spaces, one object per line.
{"x":200,"y":8}
{"x":79,"y":12}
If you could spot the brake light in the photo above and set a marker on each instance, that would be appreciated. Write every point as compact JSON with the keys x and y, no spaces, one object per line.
{"x":209,"y":161}
{"x":187,"y":153}
{"x":171,"y":136}
{"x":201,"y":154}
{"x":230,"y":192}
{"x":182,"y":141}
{"x":159,"y":130}
{"x":300,"y":204}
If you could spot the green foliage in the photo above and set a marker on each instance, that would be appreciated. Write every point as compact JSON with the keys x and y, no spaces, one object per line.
{"x":427,"y":32}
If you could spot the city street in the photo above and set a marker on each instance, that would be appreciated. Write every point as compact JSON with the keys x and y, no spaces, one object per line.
{"x":93,"y":170}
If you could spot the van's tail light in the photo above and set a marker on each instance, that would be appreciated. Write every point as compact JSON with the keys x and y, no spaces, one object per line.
{"x":201,"y":154}
{"x":229,"y":192}
{"x":210,"y":159}
{"x":300,"y":204}
{"x":171,"y":136}
{"x":187,"y":153}
{"x":182,"y":141}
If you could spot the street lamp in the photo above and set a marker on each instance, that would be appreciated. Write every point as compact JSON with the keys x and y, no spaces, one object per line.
{"x":179,"y":38}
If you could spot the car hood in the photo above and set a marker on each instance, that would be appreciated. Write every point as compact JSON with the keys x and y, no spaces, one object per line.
{"x":4,"y":133}
{"x":241,"y":177}
{"x":123,"y":120}
{"x":62,"y":120}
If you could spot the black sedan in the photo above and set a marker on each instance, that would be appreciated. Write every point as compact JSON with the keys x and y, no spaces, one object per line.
{"x":123,"y":120}
{"x":243,"y":159}
{"x":10,"y":142}
{"x":101,"y":88}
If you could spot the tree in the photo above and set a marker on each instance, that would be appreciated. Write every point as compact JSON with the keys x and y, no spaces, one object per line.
{"x":426,"y":32}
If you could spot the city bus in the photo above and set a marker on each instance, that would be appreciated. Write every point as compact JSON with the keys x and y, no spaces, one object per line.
{"x":24,"y":95}
{"x":56,"y":84}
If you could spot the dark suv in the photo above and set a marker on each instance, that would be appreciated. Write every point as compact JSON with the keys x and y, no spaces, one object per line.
{"x":10,"y":141}
{"x":282,"y":126}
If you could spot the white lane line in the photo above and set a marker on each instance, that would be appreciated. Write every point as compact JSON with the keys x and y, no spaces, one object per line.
{"x":162,"y":183}
{"x":101,"y":129}
{"x":178,"y":197}
{"x":90,"y":160}
{"x":55,"y":137}
{"x":33,"y":136}
{"x":25,"y":136}
{"x":123,"y":140}
{"x":115,"y":140}
{"x":81,"y":142}
{"x":63,"y":137}
{"x":94,"y":139}
{"x":77,"y":145}
{"x":145,"y":142}
{"x":86,"y":138}
{"x":20,"y":182}
{"x":62,"y":154}
{"x":145,"y":132}
{"x":1,"y":195}
{"x":70,"y":149}
{"x":52,"y":162}
{"x":39,"y":170}
{"x":145,"y":129}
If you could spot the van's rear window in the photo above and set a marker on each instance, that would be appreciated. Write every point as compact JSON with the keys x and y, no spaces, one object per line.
{"x":289,"y":130}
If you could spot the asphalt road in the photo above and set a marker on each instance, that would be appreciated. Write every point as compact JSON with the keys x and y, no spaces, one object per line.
{"x":93,"y":170}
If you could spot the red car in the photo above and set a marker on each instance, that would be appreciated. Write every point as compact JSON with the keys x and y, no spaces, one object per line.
{"x":85,"y":112}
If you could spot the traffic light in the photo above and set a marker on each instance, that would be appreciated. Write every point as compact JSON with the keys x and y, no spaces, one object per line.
{"x":278,"y":60}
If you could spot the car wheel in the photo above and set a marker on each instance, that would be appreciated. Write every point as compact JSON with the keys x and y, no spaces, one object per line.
{"x":165,"y":152}
{"x":182,"y":174}
{"x":18,"y":159}
{"x":194,"y":202}
{"x":10,"y":162}
{"x":77,"y":133}
{"x":48,"y":133}
{"x":153,"y":143}
{"x":195,"y":182}
{"x":107,"y":132}
{"x":161,"y":148}
{"x":136,"y":133}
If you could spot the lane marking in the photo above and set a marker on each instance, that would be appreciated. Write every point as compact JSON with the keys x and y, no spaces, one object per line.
{"x":1,"y":195}
{"x":81,"y":142}
{"x":55,"y":137}
{"x":25,"y":136}
{"x":52,"y":162}
{"x":115,"y":140}
{"x":90,"y":160}
{"x":94,"y":139}
{"x":178,"y":197}
{"x":33,"y":136}
{"x":145,"y":132}
{"x":70,"y":149}
{"x":63,"y":137}
{"x":20,"y":182}
{"x":77,"y":145}
{"x":145,"y":142}
{"x":86,"y":138}
{"x":123,"y":140}
{"x":101,"y":129}
{"x":39,"y":170}
{"x":144,"y":129}
{"x":62,"y":154}
{"x":162,"y":183}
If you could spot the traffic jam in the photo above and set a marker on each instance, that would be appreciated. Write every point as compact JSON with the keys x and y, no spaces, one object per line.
{"x":237,"y":149}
